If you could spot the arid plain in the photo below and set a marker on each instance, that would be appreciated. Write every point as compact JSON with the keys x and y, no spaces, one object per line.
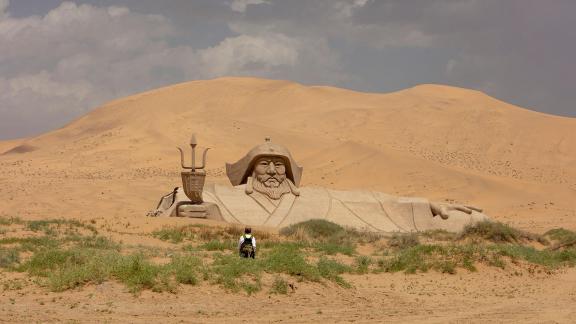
{"x":444,"y":143}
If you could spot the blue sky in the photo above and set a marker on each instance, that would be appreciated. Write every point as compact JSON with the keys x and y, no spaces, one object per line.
{"x":59,"y":60}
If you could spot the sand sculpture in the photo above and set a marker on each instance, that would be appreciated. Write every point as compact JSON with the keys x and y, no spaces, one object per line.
{"x":266,"y":191}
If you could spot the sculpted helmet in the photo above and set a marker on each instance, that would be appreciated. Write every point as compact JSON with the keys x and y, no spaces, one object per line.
{"x":239,"y":172}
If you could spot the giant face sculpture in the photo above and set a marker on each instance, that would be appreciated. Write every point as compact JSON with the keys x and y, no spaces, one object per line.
{"x":270,"y":171}
{"x":267,"y":168}
{"x":269,"y":177}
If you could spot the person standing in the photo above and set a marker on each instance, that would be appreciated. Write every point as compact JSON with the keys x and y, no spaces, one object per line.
{"x":247,"y":244}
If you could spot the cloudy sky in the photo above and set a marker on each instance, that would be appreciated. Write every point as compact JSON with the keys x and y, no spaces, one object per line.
{"x":60,"y":59}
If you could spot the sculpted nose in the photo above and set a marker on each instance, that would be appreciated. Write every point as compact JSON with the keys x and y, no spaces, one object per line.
{"x":271,"y":169}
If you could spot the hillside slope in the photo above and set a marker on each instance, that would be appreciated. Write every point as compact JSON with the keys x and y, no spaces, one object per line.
{"x":431,"y":140}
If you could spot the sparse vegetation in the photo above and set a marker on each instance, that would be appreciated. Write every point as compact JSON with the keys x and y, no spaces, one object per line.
{"x":201,"y":232}
{"x":65,"y":254}
{"x":215,"y":245}
{"x":403,"y":241}
{"x":362,"y":264}
{"x":331,"y":248}
{"x":279,"y":286}
{"x":50,"y":225}
{"x":174,"y":234}
{"x":332,"y":269}
{"x":9,"y":258}
{"x":563,"y":237}
{"x":316,"y":228}
{"x":500,"y":233}
{"x":5,"y":220}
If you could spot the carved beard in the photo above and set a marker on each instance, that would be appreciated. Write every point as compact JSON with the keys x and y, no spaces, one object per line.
{"x":272,"y":186}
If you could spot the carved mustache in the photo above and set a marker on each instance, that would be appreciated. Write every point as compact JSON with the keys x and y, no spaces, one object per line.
{"x":266,"y":177}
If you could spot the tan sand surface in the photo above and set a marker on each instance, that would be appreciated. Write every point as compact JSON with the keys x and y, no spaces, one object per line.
{"x":487,"y":296}
{"x":434,"y":141}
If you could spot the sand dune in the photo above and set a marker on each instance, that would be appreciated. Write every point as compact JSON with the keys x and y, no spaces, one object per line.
{"x":436,"y":141}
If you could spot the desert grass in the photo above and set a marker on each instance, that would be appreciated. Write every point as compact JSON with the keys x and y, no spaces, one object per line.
{"x":500,"y":233}
{"x":64,"y":255}
{"x":9,"y":220}
{"x":177,"y":234}
{"x":401,"y":241}
{"x":279,"y":286}
{"x":563,"y":238}
{"x":49,"y":226}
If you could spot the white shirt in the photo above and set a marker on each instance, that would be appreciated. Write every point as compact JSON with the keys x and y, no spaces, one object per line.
{"x":242,"y":241}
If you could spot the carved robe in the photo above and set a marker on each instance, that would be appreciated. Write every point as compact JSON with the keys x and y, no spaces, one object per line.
{"x":366,"y":210}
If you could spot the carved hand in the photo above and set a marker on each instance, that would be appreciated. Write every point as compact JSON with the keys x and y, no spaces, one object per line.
{"x":443,"y":209}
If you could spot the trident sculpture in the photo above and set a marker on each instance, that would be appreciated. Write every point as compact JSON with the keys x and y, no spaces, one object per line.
{"x":193,"y":180}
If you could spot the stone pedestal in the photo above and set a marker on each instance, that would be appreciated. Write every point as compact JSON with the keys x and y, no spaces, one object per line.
{"x":187,"y":209}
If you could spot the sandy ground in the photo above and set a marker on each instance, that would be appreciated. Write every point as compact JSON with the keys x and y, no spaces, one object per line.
{"x":439,"y":142}
{"x":487,"y":296}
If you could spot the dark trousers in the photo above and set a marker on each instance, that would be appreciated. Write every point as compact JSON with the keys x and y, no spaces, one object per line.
{"x":248,"y":254}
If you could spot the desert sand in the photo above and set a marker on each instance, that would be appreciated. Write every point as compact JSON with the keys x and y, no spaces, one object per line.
{"x":439,"y":142}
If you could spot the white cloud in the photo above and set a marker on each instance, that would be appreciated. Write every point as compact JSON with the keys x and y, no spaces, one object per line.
{"x":347,"y":8}
{"x":44,"y":85}
{"x":240,"y":5}
{"x":239,"y":54}
{"x":77,"y":56}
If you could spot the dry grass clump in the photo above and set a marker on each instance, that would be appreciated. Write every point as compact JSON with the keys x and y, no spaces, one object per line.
{"x":9,"y":220}
{"x":177,"y":234}
{"x":327,"y":237}
{"x":323,"y":236}
{"x":279,"y":286}
{"x":500,"y":233}
{"x":403,"y":240}
{"x":563,"y":238}
{"x":315,"y":229}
